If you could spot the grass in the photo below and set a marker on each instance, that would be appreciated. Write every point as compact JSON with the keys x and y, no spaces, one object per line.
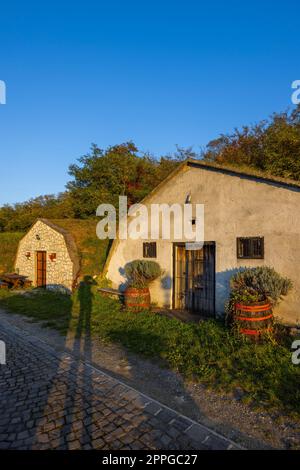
{"x":8,"y":250}
{"x":40,"y":305}
{"x":92,"y":251}
{"x":207,"y":352}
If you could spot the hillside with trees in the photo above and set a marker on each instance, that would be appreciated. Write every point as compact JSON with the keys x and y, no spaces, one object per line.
{"x":97,"y":177}
{"x":271,"y":147}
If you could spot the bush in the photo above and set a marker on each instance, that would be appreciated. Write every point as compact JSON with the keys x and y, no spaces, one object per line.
{"x":260,"y":284}
{"x":140,"y":273}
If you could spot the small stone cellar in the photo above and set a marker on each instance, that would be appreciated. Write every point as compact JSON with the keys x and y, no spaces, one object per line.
{"x":48,"y":255}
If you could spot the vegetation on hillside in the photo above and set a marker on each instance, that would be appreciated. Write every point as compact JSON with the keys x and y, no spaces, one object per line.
{"x":8,"y":250}
{"x":99,"y":177}
{"x":206,"y":351}
{"x":91,"y":249}
{"x":271,"y":147}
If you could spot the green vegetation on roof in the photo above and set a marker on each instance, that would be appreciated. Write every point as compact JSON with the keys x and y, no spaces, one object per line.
{"x":91,"y":250}
{"x":245,"y":170}
{"x":8,"y":249}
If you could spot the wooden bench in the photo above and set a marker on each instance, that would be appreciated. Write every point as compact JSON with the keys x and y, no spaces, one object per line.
{"x":106,"y":291}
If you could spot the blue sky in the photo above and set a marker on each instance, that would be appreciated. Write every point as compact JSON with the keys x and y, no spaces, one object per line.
{"x":159,"y":73}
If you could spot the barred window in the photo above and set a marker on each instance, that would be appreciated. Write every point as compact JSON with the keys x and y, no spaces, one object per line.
{"x":149,"y":250}
{"x":250,"y":247}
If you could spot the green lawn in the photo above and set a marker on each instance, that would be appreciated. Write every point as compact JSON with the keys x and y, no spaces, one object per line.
{"x":206,"y":352}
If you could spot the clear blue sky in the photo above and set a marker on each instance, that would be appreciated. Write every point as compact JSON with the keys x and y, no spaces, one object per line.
{"x":159,"y":73}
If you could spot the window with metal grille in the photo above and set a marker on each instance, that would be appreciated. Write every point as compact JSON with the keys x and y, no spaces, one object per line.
{"x":250,"y":247}
{"x":149,"y":250}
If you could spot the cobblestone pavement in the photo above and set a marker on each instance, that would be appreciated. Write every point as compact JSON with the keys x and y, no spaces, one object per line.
{"x":54,"y":401}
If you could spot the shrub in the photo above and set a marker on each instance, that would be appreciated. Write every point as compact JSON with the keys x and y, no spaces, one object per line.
{"x":260,"y":284}
{"x":140,"y":273}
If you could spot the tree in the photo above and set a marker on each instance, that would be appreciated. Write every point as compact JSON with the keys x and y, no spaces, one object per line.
{"x":101,"y":176}
{"x":271,"y":146}
{"x":20,"y":216}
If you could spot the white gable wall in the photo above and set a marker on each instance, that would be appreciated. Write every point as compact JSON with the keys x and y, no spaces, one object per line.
{"x":234,"y":207}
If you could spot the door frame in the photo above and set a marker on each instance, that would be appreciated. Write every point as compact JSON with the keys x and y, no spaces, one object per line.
{"x":174,"y":245}
{"x":36,"y":267}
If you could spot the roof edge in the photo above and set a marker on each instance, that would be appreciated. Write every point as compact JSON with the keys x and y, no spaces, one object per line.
{"x":69,"y":241}
{"x":240,"y":172}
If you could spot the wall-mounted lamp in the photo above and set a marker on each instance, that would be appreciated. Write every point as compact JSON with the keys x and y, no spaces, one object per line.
{"x":52,"y":256}
{"x":28,"y":254}
{"x":188,"y":198}
{"x":37,"y":236}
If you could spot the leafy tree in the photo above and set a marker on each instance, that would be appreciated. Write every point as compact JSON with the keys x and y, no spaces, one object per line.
{"x":271,"y":146}
{"x":20,"y":216}
{"x":101,"y":176}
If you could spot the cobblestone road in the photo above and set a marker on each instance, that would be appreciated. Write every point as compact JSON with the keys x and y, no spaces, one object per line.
{"x":54,"y":401}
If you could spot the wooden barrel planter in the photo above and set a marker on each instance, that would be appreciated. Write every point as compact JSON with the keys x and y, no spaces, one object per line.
{"x":253,"y":320}
{"x":137,"y":299}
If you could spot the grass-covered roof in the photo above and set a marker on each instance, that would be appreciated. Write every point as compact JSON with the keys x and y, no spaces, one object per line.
{"x":91,"y":250}
{"x":9,"y":242}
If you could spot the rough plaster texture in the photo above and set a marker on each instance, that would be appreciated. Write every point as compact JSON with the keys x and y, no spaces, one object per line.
{"x":62,"y":271}
{"x":235,"y":206}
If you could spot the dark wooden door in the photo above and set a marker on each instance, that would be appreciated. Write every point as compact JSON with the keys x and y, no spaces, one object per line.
{"x":194,"y":279}
{"x":41,"y":268}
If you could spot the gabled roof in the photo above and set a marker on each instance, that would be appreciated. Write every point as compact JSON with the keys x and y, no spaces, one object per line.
{"x":246,"y":173}
{"x":69,"y":239}
{"x":91,"y":250}
{"x":240,"y":172}
{"x":84,"y":247}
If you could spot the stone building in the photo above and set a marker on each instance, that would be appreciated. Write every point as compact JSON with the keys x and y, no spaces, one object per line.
{"x":250,"y":221}
{"x":52,"y":253}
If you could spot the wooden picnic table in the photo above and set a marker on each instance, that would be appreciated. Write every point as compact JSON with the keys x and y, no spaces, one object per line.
{"x":14,"y":280}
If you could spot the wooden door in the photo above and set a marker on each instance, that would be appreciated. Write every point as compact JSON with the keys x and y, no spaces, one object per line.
{"x":194,"y":279}
{"x":41,"y":268}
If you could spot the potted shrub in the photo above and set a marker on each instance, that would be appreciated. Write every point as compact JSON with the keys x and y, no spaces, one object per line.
{"x":254,"y":294}
{"x":140,"y":273}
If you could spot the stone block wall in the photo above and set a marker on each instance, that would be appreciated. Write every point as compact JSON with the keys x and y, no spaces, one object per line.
{"x":41,"y":237}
